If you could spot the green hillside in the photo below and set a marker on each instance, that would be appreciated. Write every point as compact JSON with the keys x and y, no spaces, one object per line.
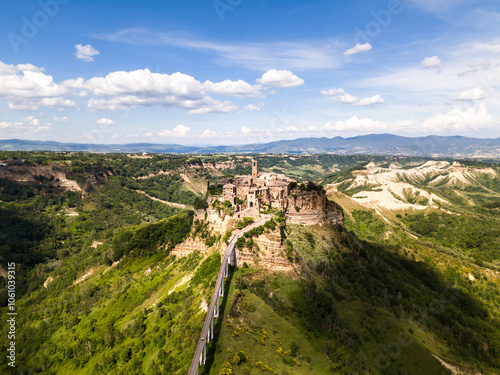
{"x":394,"y":291}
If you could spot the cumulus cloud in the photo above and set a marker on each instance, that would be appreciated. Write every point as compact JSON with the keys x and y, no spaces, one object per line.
{"x":332,"y":92}
{"x":31,"y":120}
{"x":29,"y":68}
{"x":43,"y":127}
{"x":347,"y":98}
{"x":372,"y":100}
{"x":180,"y":131}
{"x":472,"y":94}
{"x":22,"y":105}
{"x":456,"y":119}
{"x":85,"y":53}
{"x":31,"y":88}
{"x":238,"y":88}
{"x":61,"y":119}
{"x":356,"y":124}
{"x":431,"y":62}
{"x":358,"y":48}
{"x":215,"y":106}
{"x":24,"y":81}
{"x":105,"y":121}
{"x":127,"y":90}
{"x":208,"y":134}
{"x":253,"y":107}
{"x":245,"y":130}
{"x":280,"y":78}
{"x":57,"y":103}
{"x":6,"y":125}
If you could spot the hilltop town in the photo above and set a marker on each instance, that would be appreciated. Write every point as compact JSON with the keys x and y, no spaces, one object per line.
{"x":261,"y":193}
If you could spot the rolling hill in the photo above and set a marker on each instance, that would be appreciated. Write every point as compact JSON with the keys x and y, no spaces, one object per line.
{"x":375,"y":144}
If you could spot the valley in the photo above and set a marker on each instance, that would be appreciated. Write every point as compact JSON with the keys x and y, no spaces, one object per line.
{"x":117,"y":258}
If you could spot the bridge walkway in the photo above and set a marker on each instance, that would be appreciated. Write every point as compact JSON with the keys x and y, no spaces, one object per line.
{"x":207,"y":332}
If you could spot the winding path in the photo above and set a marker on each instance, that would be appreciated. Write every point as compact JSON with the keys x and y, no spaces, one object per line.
{"x":171,"y":204}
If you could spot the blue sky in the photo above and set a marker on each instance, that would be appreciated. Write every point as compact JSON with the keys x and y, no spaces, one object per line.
{"x":241,"y":71}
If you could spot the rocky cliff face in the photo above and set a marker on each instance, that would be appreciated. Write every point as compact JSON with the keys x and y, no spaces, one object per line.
{"x":268,"y":253}
{"x":189,"y":246}
{"x":312,"y":208}
{"x":31,"y":173}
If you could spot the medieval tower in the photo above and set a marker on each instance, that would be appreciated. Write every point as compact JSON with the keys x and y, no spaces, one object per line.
{"x":254,"y":170}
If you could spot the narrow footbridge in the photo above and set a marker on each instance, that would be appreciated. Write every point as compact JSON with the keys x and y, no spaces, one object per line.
{"x":207,"y":333}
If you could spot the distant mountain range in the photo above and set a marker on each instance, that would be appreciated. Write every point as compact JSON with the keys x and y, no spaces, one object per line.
{"x":374,"y":144}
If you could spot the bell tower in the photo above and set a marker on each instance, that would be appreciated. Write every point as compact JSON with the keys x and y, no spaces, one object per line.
{"x":255,"y":172}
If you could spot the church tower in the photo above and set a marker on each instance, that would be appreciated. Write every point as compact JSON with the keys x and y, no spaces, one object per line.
{"x":255,"y":173}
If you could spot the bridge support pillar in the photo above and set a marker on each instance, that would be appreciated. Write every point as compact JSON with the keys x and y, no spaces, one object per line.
{"x":205,"y":353}
{"x":212,"y":331}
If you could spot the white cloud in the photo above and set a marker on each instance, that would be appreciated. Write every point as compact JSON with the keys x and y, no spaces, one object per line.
{"x":61,"y":119}
{"x":105,"y":121}
{"x":215,"y":106}
{"x":356,"y":124}
{"x":472,"y":94}
{"x":57,"y":103}
{"x":358,"y":48}
{"x":17,"y":84}
{"x":372,"y":100}
{"x":6,"y":125}
{"x":332,"y":92}
{"x":490,"y":47}
{"x":128,"y":90}
{"x":29,"y":68}
{"x":291,"y":128}
{"x":245,"y":130}
{"x":452,"y":122}
{"x":43,"y":127}
{"x":456,"y":120}
{"x":280,"y":78}
{"x":209,"y":134}
{"x":238,"y":88}
{"x":148,"y":134}
{"x":253,"y":107}
{"x":180,"y":131}
{"x":431,"y":62}
{"x":347,"y":98}
{"x":85,"y":52}
{"x":250,"y":55}
{"x":22,"y":105}
{"x":31,"y":120}
{"x":120,"y":91}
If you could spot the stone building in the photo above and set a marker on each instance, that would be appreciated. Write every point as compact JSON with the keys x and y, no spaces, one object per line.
{"x":257,"y":189}
{"x":261,"y":191}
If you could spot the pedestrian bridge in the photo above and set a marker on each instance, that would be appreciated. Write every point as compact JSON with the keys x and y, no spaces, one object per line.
{"x":207,"y":333}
